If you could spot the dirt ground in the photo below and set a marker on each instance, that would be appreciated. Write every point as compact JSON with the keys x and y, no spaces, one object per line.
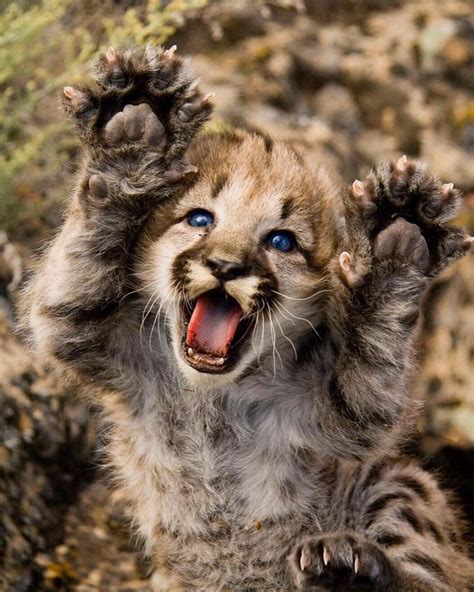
{"x":352,"y":81}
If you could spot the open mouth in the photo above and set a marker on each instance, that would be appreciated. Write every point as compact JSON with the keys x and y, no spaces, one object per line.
{"x":216,"y":332}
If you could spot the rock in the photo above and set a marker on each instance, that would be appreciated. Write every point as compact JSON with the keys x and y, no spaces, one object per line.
{"x":447,"y":158}
{"x":446,"y":379}
{"x":43,"y":447}
{"x":335,"y":104}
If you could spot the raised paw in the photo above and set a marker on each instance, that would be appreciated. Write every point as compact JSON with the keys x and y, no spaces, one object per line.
{"x":145,"y":97}
{"x":406,"y":190}
{"x":340,"y":562}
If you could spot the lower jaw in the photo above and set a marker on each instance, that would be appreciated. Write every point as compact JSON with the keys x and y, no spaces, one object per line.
{"x":209,"y":364}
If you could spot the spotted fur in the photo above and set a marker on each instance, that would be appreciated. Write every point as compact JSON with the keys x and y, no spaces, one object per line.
{"x":282,"y":472}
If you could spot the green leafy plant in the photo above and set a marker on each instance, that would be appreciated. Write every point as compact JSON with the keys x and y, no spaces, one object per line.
{"x":43,"y":46}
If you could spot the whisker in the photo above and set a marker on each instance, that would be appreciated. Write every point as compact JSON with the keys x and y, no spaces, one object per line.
{"x":262,"y":337}
{"x":146,"y":311}
{"x":286,"y":337}
{"x":243,"y":335}
{"x":302,"y":299}
{"x":271,"y":315}
{"x":273,"y":336}
{"x":170,"y":297}
{"x":257,"y":314}
{"x":292,"y":321}
{"x":143,"y":288}
{"x":300,"y":319}
{"x":156,"y":319}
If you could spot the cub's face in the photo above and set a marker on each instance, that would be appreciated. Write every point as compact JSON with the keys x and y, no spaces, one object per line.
{"x":237,"y":268}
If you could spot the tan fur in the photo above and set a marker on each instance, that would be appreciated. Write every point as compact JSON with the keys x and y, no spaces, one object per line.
{"x":292,"y":452}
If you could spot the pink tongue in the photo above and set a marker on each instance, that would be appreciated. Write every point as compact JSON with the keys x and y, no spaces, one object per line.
{"x":213,"y":324}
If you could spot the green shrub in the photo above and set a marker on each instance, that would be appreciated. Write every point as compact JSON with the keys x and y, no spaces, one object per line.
{"x":45,"y":45}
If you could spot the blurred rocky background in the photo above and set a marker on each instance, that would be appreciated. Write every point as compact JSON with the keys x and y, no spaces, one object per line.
{"x":352,"y":80}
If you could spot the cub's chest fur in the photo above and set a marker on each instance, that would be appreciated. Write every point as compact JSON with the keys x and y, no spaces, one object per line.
{"x":198,"y":470}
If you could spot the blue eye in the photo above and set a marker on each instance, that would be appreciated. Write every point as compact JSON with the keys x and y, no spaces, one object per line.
{"x":282,"y":240}
{"x":200,"y":218}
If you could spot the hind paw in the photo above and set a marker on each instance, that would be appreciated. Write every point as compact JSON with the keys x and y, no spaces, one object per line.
{"x":340,"y":562}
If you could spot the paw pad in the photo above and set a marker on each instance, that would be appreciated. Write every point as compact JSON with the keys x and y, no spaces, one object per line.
{"x":146,"y":98}
{"x":403,"y":240}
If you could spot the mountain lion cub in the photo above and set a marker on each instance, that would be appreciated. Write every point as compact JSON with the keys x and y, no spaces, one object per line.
{"x":247,"y":324}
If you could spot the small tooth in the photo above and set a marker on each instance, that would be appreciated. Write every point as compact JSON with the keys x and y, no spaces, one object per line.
{"x":190,"y":351}
{"x":220,"y":361}
{"x":358,"y":188}
{"x":402,"y":163}
{"x":447,"y":187}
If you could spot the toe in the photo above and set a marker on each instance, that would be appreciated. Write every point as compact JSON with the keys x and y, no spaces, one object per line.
{"x":115,"y":129}
{"x":440,"y":205}
{"x":78,"y":103}
{"x":154,"y":131}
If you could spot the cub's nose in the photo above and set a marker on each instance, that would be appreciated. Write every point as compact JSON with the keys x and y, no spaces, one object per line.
{"x":226,"y":270}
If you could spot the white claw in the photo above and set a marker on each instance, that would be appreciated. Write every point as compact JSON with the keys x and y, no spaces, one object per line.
{"x":345,"y":261}
{"x":402,"y":163}
{"x":447,"y":187}
{"x":304,"y":560}
{"x":358,"y":188}
{"x":190,"y":351}
{"x":356,"y":564}
{"x":111,"y":56}
{"x":468,"y":242}
{"x":210,"y":95}
{"x":194,"y":84}
{"x":74,"y":95}
{"x":172,"y":50}
{"x":220,"y":361}
{"x":326,"y":556}
{"x":69,"y":92}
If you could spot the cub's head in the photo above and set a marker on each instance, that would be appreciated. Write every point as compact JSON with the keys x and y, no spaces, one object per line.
{"x":237,"y":268}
